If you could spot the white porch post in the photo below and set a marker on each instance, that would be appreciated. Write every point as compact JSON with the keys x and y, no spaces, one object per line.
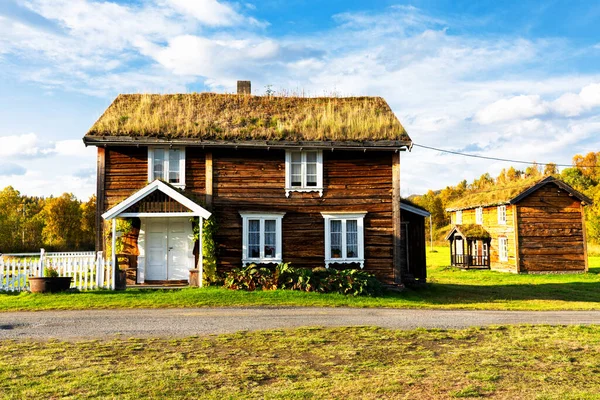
{"x":200,"y":256}
{"x":114,"y":254}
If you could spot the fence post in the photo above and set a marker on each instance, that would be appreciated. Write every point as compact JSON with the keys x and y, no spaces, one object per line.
{"x":42,"y":256}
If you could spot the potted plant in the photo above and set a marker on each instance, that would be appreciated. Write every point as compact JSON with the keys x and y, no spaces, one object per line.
{"x":336,"y":253}
{"x":51,"y":282}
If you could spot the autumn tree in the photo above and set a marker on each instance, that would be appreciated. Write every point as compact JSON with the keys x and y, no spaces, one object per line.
{"x":63,"y":216}
{"x":550,"y":169}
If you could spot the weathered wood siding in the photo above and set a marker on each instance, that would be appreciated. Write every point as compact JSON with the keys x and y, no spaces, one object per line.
{"x":496,"y":230}
{"x":353,"y":181}
{"x":551,"y":232}
{"x":254,"y":180}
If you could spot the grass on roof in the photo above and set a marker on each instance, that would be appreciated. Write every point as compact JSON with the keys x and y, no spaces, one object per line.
{"x":212,"y":116}
{"x":493,"y":195}
{"x":473,"y":231}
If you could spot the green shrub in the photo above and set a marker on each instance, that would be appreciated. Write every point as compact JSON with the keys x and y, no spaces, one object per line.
{"x":349,"y":282}
{"x":51,"y":272}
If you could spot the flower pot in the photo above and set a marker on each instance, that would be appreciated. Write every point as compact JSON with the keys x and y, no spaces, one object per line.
{"x":121,"y":281}
{"x":49,"y":285}
{"x":194,"y":277}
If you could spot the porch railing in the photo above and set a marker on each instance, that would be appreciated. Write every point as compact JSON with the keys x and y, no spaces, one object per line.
{"x":469,"y":261}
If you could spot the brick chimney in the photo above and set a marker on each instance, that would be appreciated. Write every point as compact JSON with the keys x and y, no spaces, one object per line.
{"x":244,"y":87}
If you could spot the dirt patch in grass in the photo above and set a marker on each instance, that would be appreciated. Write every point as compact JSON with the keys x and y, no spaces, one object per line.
{"x":500,"y":362}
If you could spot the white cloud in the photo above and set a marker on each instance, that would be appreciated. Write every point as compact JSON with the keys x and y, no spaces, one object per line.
{"x":198,"y":56}
{"x":20,"y":145}
{"x":208,"y":12}
{"x":518,"y":107}
{"x":572,"y":105}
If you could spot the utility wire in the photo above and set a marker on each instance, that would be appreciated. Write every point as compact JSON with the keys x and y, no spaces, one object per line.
{"x":503,"y":159}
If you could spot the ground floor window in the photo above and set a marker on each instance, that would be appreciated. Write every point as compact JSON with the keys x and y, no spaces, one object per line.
{"x":503,"y":248}
{"x":344,"y":238}
{"x":261,"y":240}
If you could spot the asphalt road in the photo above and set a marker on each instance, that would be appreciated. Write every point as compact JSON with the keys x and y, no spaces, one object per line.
{"x":105,"y":324}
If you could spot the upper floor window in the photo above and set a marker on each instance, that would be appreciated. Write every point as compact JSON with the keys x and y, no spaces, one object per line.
{"x":261,"y":240}
{"x":303,"y":171}
{"x":458,"y":218}
{"x":479,"y":216}
{"x":502,"y":215}
{"x":344,"y":238}
{"x":167,"y":164}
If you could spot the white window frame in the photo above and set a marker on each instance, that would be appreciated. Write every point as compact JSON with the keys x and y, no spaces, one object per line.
{"x":479,"y":215}
{"x":344,"y":217}
{"x":288,"y":173}
{"x":503,"y":248}
{"x":165,"y":177}
{"x":502,"y":215}
{"x":262,"y":216}
{"x":458,"y":218}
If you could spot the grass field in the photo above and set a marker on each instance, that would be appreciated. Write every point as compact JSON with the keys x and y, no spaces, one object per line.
{"x":448,"y":288}
{"x":522,"y":362}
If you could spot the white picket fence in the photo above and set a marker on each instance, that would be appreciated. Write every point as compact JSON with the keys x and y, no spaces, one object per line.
{"x":89,"y":270}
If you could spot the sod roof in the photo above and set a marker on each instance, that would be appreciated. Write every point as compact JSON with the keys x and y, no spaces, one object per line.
{"x":510,"y":193}
{"x":232,"y":117}
{"x":469,"y":231}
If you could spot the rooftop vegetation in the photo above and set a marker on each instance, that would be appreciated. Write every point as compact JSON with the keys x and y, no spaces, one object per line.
{"x":209,"y":116}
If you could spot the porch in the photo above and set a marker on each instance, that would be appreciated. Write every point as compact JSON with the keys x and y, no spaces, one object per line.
{"x":469,"y":247}
{"x":163,"y":249}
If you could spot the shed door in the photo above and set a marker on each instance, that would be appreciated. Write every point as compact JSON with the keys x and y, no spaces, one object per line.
{"x":168,"y":249}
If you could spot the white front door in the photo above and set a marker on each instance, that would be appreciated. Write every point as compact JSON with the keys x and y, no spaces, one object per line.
{"x":168,"y":249}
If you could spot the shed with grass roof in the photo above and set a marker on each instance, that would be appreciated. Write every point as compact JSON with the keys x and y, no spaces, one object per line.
{"x":528,"y":226}
{"x":310,"y":181}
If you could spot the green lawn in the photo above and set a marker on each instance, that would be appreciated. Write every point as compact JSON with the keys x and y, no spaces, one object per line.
{"x":448,"y":288}
{"x":521,"y":362}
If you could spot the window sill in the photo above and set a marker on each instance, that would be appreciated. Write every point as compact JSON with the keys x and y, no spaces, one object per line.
{"x":304,"y":190}
{"x":247,"y":261}
{"x":360,"y":261}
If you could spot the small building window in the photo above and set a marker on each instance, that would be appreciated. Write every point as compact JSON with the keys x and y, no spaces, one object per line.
{"x":344,"y":238}
{"x":303,"y":171}
{"x":479,"y":216}
{"x":503,"y":248}
{"x":167,"y":164}
{"x":458,"y":218}
{"x":261,"y":240}
{"x":502,"y":215}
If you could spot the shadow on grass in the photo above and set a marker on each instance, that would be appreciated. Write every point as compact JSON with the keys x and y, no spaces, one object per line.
{"x":448,"y":293}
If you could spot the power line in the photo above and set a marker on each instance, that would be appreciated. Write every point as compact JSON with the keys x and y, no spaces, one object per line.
{"x":503,"y":159}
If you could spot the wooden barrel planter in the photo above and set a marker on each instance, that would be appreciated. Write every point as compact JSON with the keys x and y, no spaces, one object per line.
{"x":49,"y":285}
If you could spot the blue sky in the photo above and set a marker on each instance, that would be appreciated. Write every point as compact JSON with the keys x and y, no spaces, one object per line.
{"x":505,"y":79}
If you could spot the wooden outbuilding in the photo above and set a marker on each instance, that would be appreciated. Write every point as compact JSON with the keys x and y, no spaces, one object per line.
{"x":523,"y":227}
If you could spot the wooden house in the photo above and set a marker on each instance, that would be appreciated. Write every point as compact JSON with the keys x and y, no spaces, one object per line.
{"x":522,"y":227}
{"x":310,"y":181}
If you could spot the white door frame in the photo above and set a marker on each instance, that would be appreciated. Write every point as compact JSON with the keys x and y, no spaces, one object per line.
{"x":142,"y":243}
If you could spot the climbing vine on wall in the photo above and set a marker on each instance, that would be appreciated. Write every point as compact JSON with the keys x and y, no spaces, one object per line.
{"x":209,"y":249}
{"x":124,"y":226}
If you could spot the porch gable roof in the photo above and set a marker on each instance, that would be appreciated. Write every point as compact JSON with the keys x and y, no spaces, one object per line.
{"x":157,"y":185}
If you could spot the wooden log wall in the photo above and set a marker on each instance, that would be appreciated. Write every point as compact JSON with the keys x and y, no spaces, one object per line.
{"x":551,"y":232}
{"x":490,"y":224}
{"x":353,"y":181}
{"x":254,"y":180}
